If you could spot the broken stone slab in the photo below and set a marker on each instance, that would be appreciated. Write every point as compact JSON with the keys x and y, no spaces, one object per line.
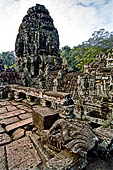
{"x":3,"y":110}
{"x":21,"y":155}
{"x":43,"y":117}
{"x":18,"y":133}
{"x":104,"y":132}
{"x":9,"y":120}
{"x":11,"y":114}
{"x":25,"y":116}
{"x":18,"y":124}
{"x":4,"y":103}
{"x":11,"y":108}
{"x":2,"y":158}
{"x":4,"y":139}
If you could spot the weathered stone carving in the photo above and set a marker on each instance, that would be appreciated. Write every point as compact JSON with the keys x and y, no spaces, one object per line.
{"x":37,"y":44}
{"x":75,"y":136}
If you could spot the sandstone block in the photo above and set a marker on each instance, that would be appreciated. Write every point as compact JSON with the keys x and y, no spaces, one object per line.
{"x":11,"y":114}
{"x":21,"y":155}
{"x":18,"y":133}
{"x":18,"y":124}
{"x":43,"y":117}
{"x":4,"y":138}
{"x":2,"y":158}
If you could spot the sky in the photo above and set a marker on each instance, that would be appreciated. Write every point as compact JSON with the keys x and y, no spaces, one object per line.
{"x":75,"y":20}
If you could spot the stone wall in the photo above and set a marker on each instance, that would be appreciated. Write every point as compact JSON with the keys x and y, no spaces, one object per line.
{"x":7,"y":78}
{"x":92,"y":90}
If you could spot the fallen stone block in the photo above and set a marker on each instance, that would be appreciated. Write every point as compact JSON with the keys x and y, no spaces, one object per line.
{"x":43,"y":117}
{"x":18,"y":133}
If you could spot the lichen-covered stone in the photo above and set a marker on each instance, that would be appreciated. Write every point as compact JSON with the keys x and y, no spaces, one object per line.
{"x":37,"y":44}
{"x":76,"y":136}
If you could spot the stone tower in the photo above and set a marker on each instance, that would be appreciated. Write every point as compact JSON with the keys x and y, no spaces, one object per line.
{"x":37,"y":45}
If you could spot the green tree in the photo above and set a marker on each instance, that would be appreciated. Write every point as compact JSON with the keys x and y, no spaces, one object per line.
{"x":75,"y":58}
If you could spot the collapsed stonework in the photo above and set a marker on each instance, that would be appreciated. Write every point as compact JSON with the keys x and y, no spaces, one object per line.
{"x":70,"y":110}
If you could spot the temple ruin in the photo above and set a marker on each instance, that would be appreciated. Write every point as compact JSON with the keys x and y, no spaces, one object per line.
{"x":61,"y":119}
{"x":37,"y":45}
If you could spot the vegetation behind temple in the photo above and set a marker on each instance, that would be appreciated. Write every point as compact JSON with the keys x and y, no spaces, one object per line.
{"x":100,"y":41}
{"x":8,"y":60}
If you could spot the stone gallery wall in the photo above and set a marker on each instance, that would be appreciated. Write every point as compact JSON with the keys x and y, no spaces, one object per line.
{"x":7,"y":78}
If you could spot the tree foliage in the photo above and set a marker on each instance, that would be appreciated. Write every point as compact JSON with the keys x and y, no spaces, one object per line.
{"x":75,"y":58}
{"x":8,"y":59}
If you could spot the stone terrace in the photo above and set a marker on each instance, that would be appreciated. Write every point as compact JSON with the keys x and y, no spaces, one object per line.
{"x":17,"y":150}
{"x":20,"y":142}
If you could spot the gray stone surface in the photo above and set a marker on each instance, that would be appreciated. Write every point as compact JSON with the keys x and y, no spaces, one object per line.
{"x":18,"y":124}
{"x":24,"y":108}
{"x":2,"y":158}
{"x":25,"y":116}
{"x":3,"y":110}
{"x":11,"y":108}
{"x":18,"y":133}
{"x":4,"y":138}
{"x":12,"y":114}
{"x":9,"y":120}
{"x":22,"y":155}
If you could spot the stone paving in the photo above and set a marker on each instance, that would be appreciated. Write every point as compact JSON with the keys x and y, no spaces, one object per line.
{"x":17,"y":150}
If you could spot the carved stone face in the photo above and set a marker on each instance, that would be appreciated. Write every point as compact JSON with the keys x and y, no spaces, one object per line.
{"x":37,"y":34}
{"x":37,"y":39}
{"x":76,"y":136}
